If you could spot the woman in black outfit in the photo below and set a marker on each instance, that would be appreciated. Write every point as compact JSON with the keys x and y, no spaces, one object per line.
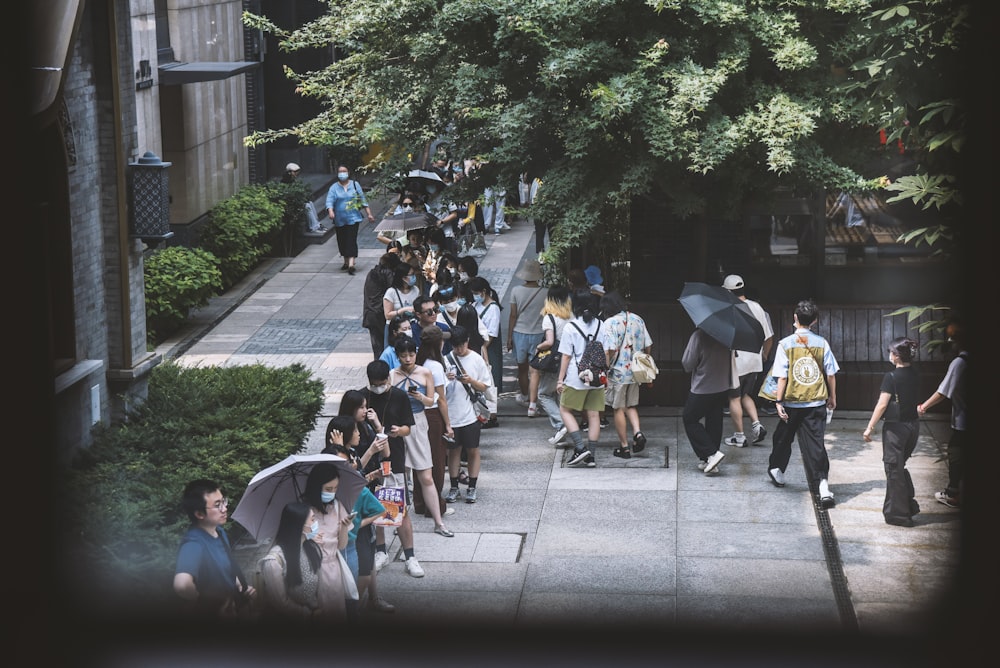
{"x":897,"y":403}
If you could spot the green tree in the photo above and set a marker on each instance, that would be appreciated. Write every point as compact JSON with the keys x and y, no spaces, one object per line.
{"x":701,"y":104}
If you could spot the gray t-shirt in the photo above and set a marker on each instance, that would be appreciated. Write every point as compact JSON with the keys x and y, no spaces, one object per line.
{"x":529,"y":302}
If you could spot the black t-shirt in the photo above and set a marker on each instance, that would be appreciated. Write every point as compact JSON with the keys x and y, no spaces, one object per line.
{"x":393,"y":410}
{"x":905,"y":382}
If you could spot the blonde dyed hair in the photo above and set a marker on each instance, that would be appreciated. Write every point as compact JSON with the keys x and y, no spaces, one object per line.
{"x":560,"y":309}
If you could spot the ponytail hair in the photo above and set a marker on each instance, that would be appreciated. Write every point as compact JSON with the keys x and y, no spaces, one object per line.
{"x":585,"y":305}
{"x":905,"y":349}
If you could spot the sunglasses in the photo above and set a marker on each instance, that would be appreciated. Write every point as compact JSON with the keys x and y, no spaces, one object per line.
{"x":407,"y":203}
{"x":429,"y":311}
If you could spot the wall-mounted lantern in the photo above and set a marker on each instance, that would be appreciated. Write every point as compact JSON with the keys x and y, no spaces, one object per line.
{"x":149,"y":199}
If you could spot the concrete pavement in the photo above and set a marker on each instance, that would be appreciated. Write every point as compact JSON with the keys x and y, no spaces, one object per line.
{"x":646,"y":543}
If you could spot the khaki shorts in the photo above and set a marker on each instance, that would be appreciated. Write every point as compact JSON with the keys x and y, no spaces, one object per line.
{"x":582,"y":400}
{"x":622,"y":396}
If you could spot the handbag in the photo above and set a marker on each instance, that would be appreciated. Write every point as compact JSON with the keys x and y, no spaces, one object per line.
{"x":547,"y":361}
{"x":644,"y":369}
{"x":479,"y":403}
{"x":892,"y":409}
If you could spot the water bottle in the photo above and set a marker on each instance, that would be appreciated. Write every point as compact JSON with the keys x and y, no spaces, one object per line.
{"x":829,"y":414}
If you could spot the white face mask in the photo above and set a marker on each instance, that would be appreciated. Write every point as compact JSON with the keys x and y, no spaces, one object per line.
{"x":379,"y":389}
{"x":452,"y":307}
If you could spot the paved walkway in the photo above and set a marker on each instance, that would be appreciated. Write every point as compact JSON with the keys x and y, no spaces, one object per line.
{"x":647,"y":544}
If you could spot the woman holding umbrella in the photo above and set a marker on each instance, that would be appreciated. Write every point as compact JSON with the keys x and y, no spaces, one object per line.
{"x":345,"y":200}
{"x":334,"y":522}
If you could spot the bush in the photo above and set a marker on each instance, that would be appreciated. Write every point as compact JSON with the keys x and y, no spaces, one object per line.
{"x":177,"y":279}
{"x":238,"y":230}
{"x":124,"y":492}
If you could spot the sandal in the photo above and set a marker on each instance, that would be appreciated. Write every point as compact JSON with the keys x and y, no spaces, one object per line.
{"x":463,"y":477}
{"x":624,"y":453}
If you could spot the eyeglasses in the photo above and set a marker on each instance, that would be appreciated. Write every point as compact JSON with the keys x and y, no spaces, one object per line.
{"x":221,"y":503}
{"x":429,"y":311}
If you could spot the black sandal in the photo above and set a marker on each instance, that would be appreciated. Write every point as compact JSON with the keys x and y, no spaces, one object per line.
{"x":624,"y":453}
{"x":639,"y":439}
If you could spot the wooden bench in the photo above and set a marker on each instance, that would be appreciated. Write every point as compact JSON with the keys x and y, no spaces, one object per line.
{"x":859,"y":336}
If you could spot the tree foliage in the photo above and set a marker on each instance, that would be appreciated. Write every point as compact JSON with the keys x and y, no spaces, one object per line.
{"x":701,"y":104}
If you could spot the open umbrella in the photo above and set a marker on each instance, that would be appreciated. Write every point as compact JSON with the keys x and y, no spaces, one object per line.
{"x":720,"y":314}
{"x":259,"y":510}
{"x":405,"y":221}
{"x":417,"y":180}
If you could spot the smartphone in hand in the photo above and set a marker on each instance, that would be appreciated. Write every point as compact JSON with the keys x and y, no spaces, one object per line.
{"x":352,"y":515}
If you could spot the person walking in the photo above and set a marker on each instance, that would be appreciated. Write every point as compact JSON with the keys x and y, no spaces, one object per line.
{"x":806,"y":371}
{"x":749,"y":365}
{"x":625,"y":334}
{"x":527,"y":190}
{"x":524,"y":324}
{"x":542,"y":393}
{"x":713,"y":374}
{"x":345,"y":200}
{"x":953,"y":387}
{"x":897,"y":404}
{"x":577,"y":392}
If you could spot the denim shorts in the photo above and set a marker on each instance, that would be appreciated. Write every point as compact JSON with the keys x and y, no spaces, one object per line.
{"x":524,"y":346}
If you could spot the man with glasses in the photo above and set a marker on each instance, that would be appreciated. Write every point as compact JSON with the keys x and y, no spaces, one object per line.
{"x":429,"y":313}
{"x":207,"y":577}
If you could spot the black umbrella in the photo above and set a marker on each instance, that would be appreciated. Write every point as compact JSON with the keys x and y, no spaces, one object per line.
{"x":405,"y":221}
{"x":720,"y":314}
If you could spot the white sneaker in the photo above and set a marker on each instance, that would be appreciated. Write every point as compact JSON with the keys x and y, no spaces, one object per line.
{"x":777,"y":477}
{"x":713,"y":461}
{"x":448,"y":511}
{"x":521,"y":399}
{"x":413,"y":567}
{"x":825,"y":495}
{"x":701,"y":464}
{"x":737,"y":440}
{"x":381,"y":559}
{"x":557,"y":439}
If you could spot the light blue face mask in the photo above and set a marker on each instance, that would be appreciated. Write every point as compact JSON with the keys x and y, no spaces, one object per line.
{"x":313,"y":530}
{"x":343,"y":176}
{"x":461,"y":301}
{"x":435,"y":248}
{"x":327,"y":497}
{"x":478,"y":298}
{"x":412,"y":280}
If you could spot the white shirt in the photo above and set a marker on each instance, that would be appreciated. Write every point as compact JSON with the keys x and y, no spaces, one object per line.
{"x":489,"y":315}
{"x":437,"y":371}
{"x":748,"y":362}
{"x":572,"y":344}
{"x":460,"y":410}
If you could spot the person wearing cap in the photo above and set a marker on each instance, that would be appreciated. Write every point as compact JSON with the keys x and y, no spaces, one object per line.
{"x":748,"y":365}
{"x":595,"y":281}
{"x":524,"y":324}
{"x":291,"y":173}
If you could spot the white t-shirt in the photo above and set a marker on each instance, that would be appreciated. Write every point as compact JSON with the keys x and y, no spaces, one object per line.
{"x":560,"y":323}
{"x":437,"y":371}
{"x":748,"y":362}
{"x":489,"y":315}
{"x":400,"y":299}
{"x":572,"y":344}
{"x":460,"y":411}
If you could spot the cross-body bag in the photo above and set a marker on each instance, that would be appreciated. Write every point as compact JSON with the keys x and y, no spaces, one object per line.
{"x":478,"y":399}
{"x":892,"y":409}
{"x":547,"y":361}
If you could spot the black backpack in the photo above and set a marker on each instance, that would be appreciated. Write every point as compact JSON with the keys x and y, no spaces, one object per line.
{"x":593,"y":358}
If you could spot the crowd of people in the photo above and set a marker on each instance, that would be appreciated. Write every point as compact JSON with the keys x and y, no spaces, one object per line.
{"x":437,"y":338}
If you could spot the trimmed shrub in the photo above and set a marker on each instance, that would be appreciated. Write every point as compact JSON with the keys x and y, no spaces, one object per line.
{"x":123,"y":493}
{"x":177,"y":279}
{"x":238,"y":230}
{"x":292,"y":197}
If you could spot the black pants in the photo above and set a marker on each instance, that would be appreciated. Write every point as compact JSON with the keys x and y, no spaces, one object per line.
{"x":347,"y":240}
{"x":898,"y":441}
{"x":705,"y":438}
{"x":809,"y":425}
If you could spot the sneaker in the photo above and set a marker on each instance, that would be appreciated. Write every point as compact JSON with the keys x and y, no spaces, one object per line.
{"x":638,"y":442}
{"x":413,"y":567}
{"x":947,"y":499}
{"x":470,"y":495}
{"x":737,"y":440}
{"x":521,"y":399}
{"x":777,"y":477}
{"x":579,"y":458}
{"x":590,"y":462}
{"x":492,"y":423}
{"x":768,"y":409}
{"x":379,"y":605}
{"x":557,"y":439}
{"x":453,"y":495}
{"x":532,"y":410}
{"x":825,"y":495}
{"x":758,"y":432}
{"x":381,"y":559}
{"x":448,"y":511}
{"x":701,"y":465}
{"x":713,"y":461}
{"x":504,"y":226}
{"x":604,"y":423}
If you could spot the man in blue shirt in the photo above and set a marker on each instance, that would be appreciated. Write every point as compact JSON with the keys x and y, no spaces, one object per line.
{"x":207,"y":576}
